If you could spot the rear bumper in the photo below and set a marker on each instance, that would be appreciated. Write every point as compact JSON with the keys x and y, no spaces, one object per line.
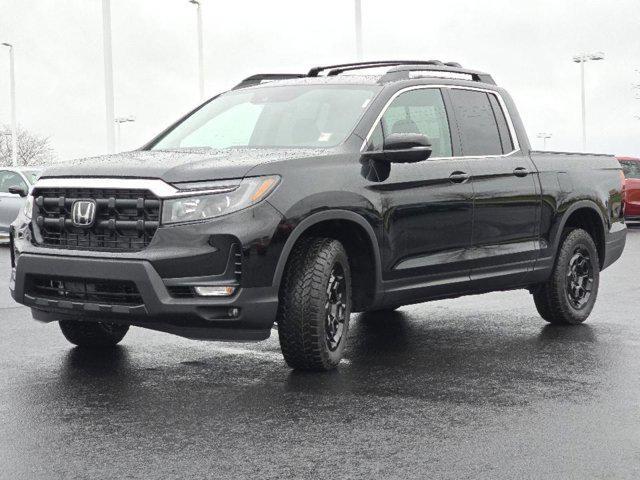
{"x":614,"y":245}
{"x":199,"y":317}
{"x":631,"y":210}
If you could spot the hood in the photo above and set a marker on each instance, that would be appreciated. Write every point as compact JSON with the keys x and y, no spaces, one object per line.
{"x":183,"y":165}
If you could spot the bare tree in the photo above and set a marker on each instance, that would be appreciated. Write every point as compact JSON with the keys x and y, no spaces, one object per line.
{"x":32,"y":149}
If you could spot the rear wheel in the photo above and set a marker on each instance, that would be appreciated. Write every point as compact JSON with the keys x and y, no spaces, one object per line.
{"x":570,"y":294}
{"x":93,"y":334}
{"x":315,"y":305}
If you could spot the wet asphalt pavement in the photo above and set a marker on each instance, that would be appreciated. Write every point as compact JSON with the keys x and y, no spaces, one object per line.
{"x":476,"y":387}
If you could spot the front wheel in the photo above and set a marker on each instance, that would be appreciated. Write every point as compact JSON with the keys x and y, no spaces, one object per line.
{"x":570,"y":294}
{"x":93,"y":334}
{"x":315,"y":305}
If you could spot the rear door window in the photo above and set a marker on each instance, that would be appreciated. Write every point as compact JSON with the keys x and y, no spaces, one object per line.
{"x":479,"y":130}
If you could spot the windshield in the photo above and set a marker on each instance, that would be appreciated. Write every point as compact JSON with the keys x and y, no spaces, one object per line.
{"x":631,"y":169}
{"x":275,"y":116}
{"x":32,"y":175}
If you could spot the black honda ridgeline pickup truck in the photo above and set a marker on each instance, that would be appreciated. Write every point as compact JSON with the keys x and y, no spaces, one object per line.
{"x":300,"y":199}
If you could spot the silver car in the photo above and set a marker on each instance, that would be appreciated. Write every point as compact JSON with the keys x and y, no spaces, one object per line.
{"x":11,"y":203}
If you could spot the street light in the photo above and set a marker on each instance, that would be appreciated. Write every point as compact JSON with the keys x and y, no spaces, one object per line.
{"x":582,"y":59}
{"x":200,"y":49}
{"x":14,"y":123}
{"x":358,"y":29}
{"x":108,"y":74}
{"x":119,"y":121}
{"x":544,"y":137}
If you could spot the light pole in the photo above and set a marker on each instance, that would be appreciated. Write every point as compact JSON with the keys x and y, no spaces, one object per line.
{"x":119,"y":121}
{"x":108,"y":74}
{"x":358,"y":29}
{"x":582,"y":59}
{"x":14,"y":122}
{"x":200,"y":49}
{"x":544,"y":137}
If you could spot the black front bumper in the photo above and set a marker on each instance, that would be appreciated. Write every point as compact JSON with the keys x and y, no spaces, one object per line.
{"x":200,"y":317}
{"x":241,"y":249}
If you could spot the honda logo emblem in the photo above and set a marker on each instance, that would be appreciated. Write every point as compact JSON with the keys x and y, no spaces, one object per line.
{"x":83,"y":213}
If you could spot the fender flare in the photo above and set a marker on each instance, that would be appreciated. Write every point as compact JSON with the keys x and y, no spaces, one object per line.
{"x":591,"y":205}
{"x":318,"y":217}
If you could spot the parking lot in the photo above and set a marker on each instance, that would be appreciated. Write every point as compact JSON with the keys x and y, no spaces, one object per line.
{"x":476,"y":387}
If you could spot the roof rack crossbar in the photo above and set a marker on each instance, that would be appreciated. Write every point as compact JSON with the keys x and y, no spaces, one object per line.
{"x":338,"y":71}
{"x":372,"y":64}
{"x":266,"y":77}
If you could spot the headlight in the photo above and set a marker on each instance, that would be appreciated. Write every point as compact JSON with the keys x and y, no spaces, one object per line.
{"x":28,"y":207}
{"x":232,"y":197}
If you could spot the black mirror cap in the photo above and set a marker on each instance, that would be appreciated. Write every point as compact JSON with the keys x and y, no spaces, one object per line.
{"x":405,"y":141}
{"x":411,"y":155}
{"x":403,"y":148}
{"x":18,"y":191}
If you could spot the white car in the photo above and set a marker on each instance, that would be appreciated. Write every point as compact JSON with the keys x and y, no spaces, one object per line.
{"x":11,"y":203}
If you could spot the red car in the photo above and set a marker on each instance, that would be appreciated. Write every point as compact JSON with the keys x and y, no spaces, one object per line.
{"x":631,"y":168}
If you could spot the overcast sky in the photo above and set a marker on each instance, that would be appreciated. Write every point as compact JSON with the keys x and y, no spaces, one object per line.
{"x":526,"y":45}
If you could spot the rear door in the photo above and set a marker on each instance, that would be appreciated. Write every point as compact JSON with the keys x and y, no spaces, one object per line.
{"x":10,"y":204}
{"x":506,"y":197}
{"x":427,"y":207}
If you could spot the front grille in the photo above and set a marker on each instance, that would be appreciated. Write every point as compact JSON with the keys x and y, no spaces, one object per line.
{"x":126,"y":220}
{"x":85,"y":290}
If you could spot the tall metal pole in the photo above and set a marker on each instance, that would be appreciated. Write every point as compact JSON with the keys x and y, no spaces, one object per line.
{"x":108,"y":74}
{"x":582,"y":59}
{"x":584,"y":108}
{"x":14,"y":122}
{"x":358,"y":29}
{"x":200,"y":49}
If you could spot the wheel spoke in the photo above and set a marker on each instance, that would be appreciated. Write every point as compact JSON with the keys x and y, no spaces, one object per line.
{"x":335,"y":307}
{"x":579,"y":276}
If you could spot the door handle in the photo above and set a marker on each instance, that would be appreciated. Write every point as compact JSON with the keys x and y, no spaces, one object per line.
{"x":458,"y":177}
{"x":521,"y":172}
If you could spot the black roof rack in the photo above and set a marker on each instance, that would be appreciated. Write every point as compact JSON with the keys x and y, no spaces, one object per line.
{"x":404,"y":71}
{"x":401,"y":71}
{"x":343,"y":67}
{"x":266,"y":77}
{"x":404,"y":66}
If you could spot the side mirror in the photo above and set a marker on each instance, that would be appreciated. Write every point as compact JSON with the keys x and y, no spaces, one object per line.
{"x":15,"y":190}
{"x":403,"y":148}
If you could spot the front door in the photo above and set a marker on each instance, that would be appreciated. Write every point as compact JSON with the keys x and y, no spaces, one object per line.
{"x":426,"y":207}
{"x":507,"y":200}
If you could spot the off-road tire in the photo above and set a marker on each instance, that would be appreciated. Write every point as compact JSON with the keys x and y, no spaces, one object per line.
{"x":93,"y":334}
{"x":552,"y":299}
{"x":303,"y":307}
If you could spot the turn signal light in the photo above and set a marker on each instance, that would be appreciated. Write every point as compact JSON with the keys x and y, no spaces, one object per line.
{"x":206,"y":291}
